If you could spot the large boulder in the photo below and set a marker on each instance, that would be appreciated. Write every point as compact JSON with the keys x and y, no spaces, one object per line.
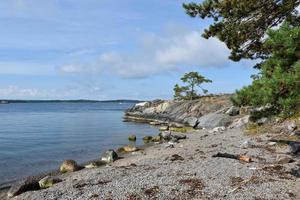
{"x":213,"y":120}
{"x":22,"y":186}
{"x":48,"y":181}
{"x":191,"y":121}
{"x":109,"y":156}
{"x":69,"y":166}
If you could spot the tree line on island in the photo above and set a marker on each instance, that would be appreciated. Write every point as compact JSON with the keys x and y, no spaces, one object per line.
{"x":266,"y":31}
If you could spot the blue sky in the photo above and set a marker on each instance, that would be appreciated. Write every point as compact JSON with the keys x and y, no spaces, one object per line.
{"x":107,"y":49}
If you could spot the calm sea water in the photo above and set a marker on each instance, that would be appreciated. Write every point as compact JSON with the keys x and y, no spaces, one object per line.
{"x":37,"y":137}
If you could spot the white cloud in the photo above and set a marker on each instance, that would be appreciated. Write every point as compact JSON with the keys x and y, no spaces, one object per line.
{"x":84,"y":69}
{"x":26,"y":68}
{"x":88,"y":91}
{"x":17,"y":91}
{"x":157,"y":55}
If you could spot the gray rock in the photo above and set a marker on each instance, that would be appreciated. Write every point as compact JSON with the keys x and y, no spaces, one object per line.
{"x":191,"y":121}
{"x":247,"y":144}
{"x":294,"y":147}
{"x":169,"y":145}
{"x":166,"y":135}
{"x":109,"y":156}
{"x":296,"y":132}
{"x":233,"y":111}
{"x":262,"y":121}
{"x":240,"y":122}
{"x":178,"y":136}
{"x":272,"y":143}
{"x":213,"y":120}
{"x":292,"y":126}
{"x":48,"y":181}
{"x":23,"y":186}
{"x":283,"y":159}
{"x":218,"y":130}
{"x":176,"y":125}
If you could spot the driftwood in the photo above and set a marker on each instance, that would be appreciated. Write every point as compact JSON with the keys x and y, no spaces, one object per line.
{"x":233,"y":156}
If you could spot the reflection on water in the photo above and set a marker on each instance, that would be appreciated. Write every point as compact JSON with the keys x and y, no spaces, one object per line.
{"x":36,"y":137}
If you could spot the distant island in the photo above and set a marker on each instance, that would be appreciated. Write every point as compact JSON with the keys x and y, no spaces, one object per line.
{"x":7,"y":101}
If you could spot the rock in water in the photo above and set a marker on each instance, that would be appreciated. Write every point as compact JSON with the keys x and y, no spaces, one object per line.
{"x":191,"y":121}
{"x":69,"y":166}
{"x":132,"y":138}
{"x":48,"y":181}
{"x":233,"y":111}
{"x":147,"y":139}
{"x":109,"y":156}
{"x":23,"y":186}
{"x":213,"y":120}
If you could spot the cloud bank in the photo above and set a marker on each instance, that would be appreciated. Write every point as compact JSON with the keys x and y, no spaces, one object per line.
{"x":157,"y":54}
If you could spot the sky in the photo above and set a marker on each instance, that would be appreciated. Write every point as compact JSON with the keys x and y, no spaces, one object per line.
{"x":108,"y":49}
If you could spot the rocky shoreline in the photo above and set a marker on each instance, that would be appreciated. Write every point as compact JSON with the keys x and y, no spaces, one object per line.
{"x":206,"y":149}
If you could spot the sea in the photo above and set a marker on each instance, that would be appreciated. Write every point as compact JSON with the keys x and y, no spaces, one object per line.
{"x":38,"y":137}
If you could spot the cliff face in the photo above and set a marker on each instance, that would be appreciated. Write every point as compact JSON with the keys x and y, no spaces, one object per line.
{"x":192,"y":113}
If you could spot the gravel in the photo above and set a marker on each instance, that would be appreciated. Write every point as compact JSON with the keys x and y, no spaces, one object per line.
{"x":155,"y":175}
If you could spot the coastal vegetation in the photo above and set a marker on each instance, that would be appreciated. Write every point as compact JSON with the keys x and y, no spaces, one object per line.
{"x":267,"y":31}
{"x":192,"y":81}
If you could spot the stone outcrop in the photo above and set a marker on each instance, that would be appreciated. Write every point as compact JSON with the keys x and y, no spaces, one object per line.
{"x":205,"y":112}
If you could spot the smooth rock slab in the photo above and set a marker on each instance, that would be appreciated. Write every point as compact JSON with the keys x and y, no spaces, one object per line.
{"x":191,"y":121}
{"x":213,"y":120}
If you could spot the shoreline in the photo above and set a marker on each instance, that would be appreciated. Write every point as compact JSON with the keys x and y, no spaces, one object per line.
{"x":188,"y":169}
{"x":4,"y":187}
